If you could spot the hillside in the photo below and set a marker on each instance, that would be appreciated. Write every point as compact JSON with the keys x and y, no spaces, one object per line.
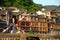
{"x":53,"y":7}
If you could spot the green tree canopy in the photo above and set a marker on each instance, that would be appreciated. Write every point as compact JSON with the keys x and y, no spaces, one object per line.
{"x":6,"y":3}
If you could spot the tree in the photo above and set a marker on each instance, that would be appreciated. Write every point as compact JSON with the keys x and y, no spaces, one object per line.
{"x":1,"y":2}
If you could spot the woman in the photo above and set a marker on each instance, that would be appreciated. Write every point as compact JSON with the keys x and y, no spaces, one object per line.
{"x":12,"y":27}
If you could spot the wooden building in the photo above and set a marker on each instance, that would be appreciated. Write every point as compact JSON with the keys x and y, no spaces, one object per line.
{"x":38,"y":23}
{"x":53,"y":23}
{"x":33,"y":22}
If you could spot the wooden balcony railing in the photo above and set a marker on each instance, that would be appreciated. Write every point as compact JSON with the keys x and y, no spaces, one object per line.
{"x":36,"y":29}
{"x":11,"y":37}
{"x":28,"y":37}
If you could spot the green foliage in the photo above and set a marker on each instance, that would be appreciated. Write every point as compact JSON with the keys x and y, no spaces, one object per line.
{"x":30,"y":32}
{"x":1,"y":2}
{"x":22,"y":4}
{"x":6,"y":3}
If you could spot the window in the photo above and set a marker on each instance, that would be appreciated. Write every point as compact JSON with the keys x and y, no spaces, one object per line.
{"x":23,"y":23}
{"x":33,"y":18}
{"x":27,"y":23}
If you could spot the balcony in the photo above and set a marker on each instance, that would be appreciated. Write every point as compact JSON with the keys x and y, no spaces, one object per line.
{"x":35,"y":29}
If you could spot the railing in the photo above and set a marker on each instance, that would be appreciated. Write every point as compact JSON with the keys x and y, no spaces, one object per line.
{"x":28,"y":37}
{"x":11,"y":37}
{"x":35,"y":29}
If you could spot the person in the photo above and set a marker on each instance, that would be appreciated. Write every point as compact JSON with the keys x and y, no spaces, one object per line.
{"x":12,"y":27}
